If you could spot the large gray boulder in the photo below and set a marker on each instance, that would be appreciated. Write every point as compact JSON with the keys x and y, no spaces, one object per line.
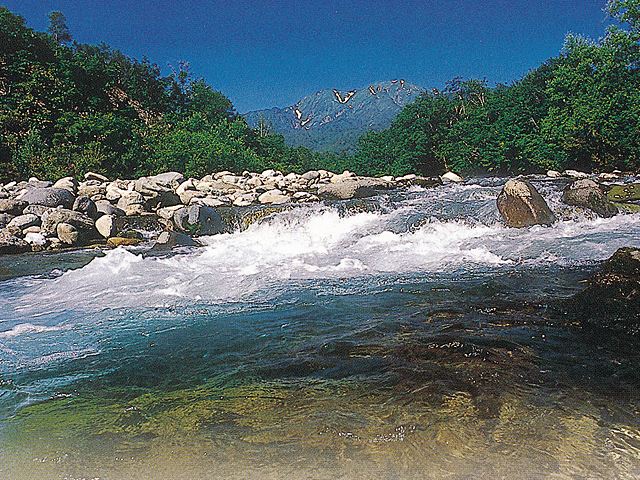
{"x":49,"y":197}
{"x":586,"y":193}
{"x":521,"y":205}
{"x":348,"y":189}
{"x":84,"y":204}
{"x":198,"y":220}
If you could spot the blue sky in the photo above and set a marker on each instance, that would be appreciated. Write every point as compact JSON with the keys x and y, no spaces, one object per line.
{"x":267,"y":54}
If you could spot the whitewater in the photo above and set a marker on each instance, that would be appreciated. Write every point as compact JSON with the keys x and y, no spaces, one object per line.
{"x":412,"y":335}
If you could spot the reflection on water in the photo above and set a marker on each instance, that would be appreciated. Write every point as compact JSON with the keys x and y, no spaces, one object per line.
{"x":404,"y":342}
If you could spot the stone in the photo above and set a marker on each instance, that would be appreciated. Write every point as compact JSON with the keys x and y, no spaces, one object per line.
{"x":624,"y":193}
{"x":12,"y":206}
{"x":5,"y":218}
{"x":35,"y":209}
{"x":35,"y":238}
{"x":521,"y":205}
{"x":122,"y":241}
{"x":586,"y":193}
{"x":273,"y":197}
{"x":68,"y":183}
{"x":84,"y":204}
{"x":553,"y":174}
{"x":346,"y":190}
{"x":575,"y":174}
{"x":168,"y":179}
{"x":311,"y":176}
{"x":168,"y":240}
{"x":95,"y":176}
{"x":107,"y":208}
{"x":67,"y":233}
{"x":22,"y":222}
{"x":612,"y":296}
{"x":198,"y":220}
{"x":54,"y":216}
{"x":452,"y":177}
{"x":419,"y":181}
{"x":132,"y":203}
{"x":106,"y":226}
{"x":93,"y":190}
{"x":49,"y":197}
{"x":12,"y":244}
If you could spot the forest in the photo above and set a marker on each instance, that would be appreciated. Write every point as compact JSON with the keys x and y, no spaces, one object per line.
{"x":68,"y":108}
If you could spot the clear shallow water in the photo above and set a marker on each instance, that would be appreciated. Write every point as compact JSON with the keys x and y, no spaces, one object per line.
{"x":413,"y":336}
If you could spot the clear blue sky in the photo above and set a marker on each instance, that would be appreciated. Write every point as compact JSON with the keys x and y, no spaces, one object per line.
{"x":263,"y":54}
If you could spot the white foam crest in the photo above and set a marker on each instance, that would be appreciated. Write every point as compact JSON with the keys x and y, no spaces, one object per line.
{"x":26,"y":329}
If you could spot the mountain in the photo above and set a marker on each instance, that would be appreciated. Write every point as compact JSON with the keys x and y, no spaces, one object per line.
{"x":332,"y":120}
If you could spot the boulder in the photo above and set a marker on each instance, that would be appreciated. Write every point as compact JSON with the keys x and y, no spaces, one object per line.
{"x":521,"y":205}
{"x":132,"y":203}
{"x":84,"y":204}
{"x":198,"y":220}
{"x":10,"y":243}
{"x":35,"y":239}
{"x":107,"y":208}
{"x":624,"y":193}
{"x":122,"y":241}
{"x":612,"y":296}
{"x":68,"y":183}
{"x":169,"y":240}
{"x":12,"y":206}
{"x":5,"y":218}
{"x":452,"y":177}
{"x":23,"y":222}
{"x":106,"y":226}
{"x":35,"y":210}
{"x":586,"y":193}
{"x":273,"y":197}
{"x":49,"y":197}
{"x":346,"y":190}
{"x":68,"y":234}
{"x":83,"y":224}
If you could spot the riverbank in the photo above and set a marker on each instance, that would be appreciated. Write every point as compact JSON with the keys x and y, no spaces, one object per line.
{"x":170,"y":210}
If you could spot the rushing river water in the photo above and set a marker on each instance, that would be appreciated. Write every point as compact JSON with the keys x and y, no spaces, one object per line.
{"x":412,"y":336}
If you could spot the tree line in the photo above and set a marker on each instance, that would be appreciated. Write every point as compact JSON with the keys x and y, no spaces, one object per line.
{"x":68,"y":108}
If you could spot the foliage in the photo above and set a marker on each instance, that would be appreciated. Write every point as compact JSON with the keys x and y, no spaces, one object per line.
{"x":68,"y":109}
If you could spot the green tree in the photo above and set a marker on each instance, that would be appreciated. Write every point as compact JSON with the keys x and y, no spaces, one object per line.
{"x":58,"y":27}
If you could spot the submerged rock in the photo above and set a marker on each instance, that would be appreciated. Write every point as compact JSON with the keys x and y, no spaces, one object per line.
{"x":612,"y":296}
{"x":586,"y":193}
{"x":521,"y":205}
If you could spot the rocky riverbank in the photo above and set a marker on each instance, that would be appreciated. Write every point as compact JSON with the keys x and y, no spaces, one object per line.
{"x":170,"y":210}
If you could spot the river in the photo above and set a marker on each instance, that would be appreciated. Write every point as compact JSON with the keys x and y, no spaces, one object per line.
{"x":409,"y":336}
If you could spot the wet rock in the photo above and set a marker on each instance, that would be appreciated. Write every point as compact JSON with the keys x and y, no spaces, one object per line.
{"x":168,"y":240}
{"x":123,"y":241}
{"x":12,"y":244}
{"x":612,"y":296}
{"x":49,"y":197}
{"x":198,"y":220}
{"x":452,"y":177}
{"x":12,"y":206}
{"x":586,"y":193}
{"x":624,"y":193}
{"x":521,"y":205}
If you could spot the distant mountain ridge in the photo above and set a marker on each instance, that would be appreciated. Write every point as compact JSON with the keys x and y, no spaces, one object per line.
{"x":333,"y":120}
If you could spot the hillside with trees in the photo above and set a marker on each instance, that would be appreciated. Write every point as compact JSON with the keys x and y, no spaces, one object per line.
{"x":68,"y":108}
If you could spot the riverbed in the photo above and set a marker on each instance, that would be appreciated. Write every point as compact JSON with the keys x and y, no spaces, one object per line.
{"x":408,"y":336}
